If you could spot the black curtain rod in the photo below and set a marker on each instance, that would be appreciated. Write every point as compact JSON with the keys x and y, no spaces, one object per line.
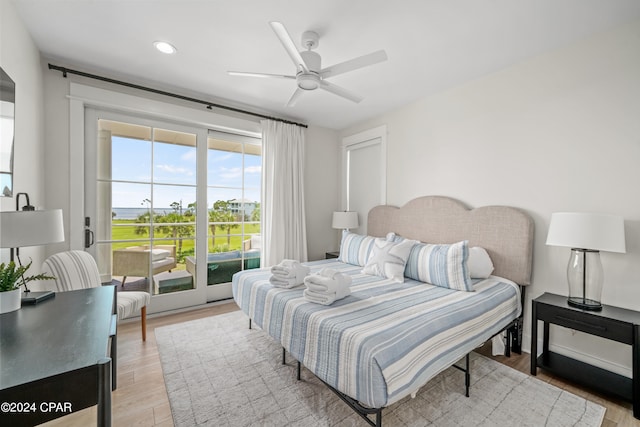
{"x":209,"y":105}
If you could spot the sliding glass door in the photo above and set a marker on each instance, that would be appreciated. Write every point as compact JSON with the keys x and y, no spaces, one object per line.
{"x":171,"y":210}
{"x":233,"y":195}
{"x":142,"y":196}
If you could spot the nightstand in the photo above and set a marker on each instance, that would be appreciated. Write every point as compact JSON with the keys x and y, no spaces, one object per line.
{"x":613,"y":323}
{"x":329,"y":255}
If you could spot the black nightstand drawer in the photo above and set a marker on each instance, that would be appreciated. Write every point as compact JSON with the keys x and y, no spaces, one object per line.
{"x":594,"y":325}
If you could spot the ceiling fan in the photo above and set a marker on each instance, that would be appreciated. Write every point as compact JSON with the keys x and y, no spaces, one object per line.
{"x":309,"y":74}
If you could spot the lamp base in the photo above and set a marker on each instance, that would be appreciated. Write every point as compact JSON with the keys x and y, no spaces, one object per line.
{"x":584,"y":303}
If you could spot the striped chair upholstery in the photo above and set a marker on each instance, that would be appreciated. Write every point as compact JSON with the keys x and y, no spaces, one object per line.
{"x":130,"y":303}
{"x":78,"y":270}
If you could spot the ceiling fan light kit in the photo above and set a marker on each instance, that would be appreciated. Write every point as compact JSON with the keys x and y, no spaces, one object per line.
{"x":309,"y":72}
{"x":308,"y":81}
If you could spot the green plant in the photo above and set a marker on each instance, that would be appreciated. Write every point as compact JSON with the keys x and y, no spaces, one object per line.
{"x":12,"y":276}
{"x":183,"y":254}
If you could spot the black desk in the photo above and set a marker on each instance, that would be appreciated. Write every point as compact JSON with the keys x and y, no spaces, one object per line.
{"x":613,"y":323}
{"x":54,"y":357}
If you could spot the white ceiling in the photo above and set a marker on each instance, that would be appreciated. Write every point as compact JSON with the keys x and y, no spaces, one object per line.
{"x":432,"y":45}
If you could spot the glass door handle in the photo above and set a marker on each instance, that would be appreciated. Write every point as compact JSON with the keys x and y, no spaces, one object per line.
{"x":88,"y":238}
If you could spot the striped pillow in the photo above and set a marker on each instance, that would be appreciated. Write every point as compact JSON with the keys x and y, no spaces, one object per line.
{"x":440,"y":265}
{"x":355,"y":248}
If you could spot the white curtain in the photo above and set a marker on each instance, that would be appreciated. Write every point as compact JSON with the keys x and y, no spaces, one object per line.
{"x":283,"y":216}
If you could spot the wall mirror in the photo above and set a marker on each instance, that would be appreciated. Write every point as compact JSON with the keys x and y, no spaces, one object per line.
{"x":7,"y":132}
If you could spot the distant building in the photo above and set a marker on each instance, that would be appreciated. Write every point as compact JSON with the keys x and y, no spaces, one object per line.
{"x":242,"y":206}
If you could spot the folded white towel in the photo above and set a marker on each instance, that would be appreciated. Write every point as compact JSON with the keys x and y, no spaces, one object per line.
{"x":326,"y":298}
{"x":290,"y":268}
{"x":285,"y":283}
{"x":329,"y":272}
{"x":327,"y":280}
{"x":288,"y":274}
{"x":319,"y":297}
{"x":327,"y":286}
{"x":343,"y":290}
{"x":318,"y":283}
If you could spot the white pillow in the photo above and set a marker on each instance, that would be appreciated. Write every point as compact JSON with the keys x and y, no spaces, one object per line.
{"x":158,"y":254}
{"x":479,"y":263}
{"x":393,"y":237}
{"x":387,"y":259}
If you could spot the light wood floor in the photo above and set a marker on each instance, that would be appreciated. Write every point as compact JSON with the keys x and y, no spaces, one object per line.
{"x":141,"y":397}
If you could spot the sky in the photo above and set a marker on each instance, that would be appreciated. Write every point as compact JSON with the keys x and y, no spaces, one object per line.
{"x":174,"y":173}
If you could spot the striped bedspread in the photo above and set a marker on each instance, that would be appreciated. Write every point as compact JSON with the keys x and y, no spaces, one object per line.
{"x":385,"y":340}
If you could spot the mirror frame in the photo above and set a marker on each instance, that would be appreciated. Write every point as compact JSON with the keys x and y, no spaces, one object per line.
{"x":7,"y":132}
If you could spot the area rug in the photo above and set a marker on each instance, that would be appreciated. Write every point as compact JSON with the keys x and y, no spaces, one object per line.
{"x":218,"y":372}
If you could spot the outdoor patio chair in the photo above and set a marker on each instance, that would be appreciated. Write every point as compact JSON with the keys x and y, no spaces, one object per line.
{"x":134,"y":261}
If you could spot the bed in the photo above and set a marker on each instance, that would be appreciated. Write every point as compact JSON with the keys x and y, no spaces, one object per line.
{"x":387,"y":339}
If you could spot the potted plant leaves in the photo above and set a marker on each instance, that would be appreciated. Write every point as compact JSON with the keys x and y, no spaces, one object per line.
{"x":11,"y":278}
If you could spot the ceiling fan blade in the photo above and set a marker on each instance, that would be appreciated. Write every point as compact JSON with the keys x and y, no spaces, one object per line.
{"x":289,"y":46}
{"x":242,"y":73}
{"x":337,"y":90}
{"x":354,"y":64}
{"x":294,"y":97}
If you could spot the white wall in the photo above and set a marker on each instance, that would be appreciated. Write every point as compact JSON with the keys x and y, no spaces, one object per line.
{"x":322,"y":196}
{"x":20,"y":59}
{"x":560,"y":132}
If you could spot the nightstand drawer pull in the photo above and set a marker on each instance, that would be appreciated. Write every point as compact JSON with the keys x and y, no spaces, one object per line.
{"x":579,"y":322}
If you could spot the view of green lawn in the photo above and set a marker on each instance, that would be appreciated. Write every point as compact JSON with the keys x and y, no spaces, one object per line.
{"x":125,"y":231}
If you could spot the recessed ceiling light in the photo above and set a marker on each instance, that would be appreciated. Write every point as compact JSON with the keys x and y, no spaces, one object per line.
{"x":165,"y":47}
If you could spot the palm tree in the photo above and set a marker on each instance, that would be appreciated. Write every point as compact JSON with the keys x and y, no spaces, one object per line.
{"x":213,"y":218}
{"x":224,"y":214}
{"x":255,"y":215}
{"x":144,"y":218}
{"x":173,"y":226}
{"x":142,"y":230}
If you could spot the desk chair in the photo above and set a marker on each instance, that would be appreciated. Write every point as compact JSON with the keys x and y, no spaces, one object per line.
{"x":78,"y":269}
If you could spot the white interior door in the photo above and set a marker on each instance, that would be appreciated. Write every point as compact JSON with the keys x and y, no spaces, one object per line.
{"x":364,"y":173}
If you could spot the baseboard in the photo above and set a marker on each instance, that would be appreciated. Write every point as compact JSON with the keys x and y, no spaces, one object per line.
{"x":176,"y":311}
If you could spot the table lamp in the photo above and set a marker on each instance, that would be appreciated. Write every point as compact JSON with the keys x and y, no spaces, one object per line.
{"x":586,"y":234}
{"x":345,"y":220}
{"x":29,"y":227}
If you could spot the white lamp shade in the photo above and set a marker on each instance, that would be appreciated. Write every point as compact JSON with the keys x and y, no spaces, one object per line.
{"x":599,"y":232}
{"x":346,"y":219}
{"x":30,"y":228}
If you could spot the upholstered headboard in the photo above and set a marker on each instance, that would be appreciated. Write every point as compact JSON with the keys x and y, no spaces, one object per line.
{"x":505,"y":232}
